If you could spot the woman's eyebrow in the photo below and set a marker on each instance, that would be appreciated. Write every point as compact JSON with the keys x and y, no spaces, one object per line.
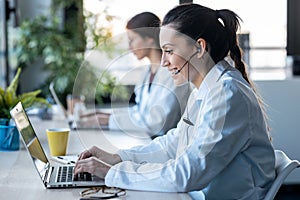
{"x":167,"y":44}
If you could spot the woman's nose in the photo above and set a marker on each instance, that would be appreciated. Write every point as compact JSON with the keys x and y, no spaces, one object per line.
{"x":164,"y":63}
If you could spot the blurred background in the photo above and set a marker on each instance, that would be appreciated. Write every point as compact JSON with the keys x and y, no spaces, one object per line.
{"x":63,"y":41}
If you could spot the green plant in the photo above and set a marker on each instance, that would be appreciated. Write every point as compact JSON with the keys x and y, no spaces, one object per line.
{"x":62,"y":54}
{"x":108,"y":87}
{"x":9,"y":98}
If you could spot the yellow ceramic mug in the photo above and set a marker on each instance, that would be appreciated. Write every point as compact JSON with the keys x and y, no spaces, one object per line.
{"x":58,"y":140}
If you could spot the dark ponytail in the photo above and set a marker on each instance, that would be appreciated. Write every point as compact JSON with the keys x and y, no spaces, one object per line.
{"x":231,"y":24}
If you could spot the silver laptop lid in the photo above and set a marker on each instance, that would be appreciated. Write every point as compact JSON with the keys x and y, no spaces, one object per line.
{"x":30,"y":140}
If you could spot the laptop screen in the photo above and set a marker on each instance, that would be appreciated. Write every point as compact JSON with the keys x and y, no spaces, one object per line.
{"x":30,"y":139}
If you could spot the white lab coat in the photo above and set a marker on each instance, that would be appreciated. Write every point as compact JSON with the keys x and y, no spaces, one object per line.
{"x":157,"y":110}
{"x":225,"y":155}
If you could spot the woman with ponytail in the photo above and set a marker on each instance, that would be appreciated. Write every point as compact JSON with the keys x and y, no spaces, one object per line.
{"x":220,"y":148}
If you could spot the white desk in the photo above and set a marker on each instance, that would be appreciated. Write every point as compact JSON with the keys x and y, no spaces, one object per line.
{"x":19,"y":179}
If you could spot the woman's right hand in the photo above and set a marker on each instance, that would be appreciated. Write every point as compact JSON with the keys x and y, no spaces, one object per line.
{"x":109,"y":158}
{"x":96,"y":161}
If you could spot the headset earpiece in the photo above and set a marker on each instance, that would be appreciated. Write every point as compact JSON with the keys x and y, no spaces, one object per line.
{"x":199,"y":49}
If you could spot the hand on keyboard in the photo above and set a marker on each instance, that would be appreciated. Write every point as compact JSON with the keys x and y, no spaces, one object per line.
{"x":84,"y":176}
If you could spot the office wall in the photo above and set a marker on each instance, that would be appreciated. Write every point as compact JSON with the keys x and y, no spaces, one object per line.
{"x":283,"y":107}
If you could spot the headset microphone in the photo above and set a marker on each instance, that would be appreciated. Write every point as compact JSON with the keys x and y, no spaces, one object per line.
{"x":179,"y":70}
{"x":187,"y":118}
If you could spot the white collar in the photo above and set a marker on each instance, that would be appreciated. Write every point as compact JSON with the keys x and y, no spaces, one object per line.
{"x":212,"y":77}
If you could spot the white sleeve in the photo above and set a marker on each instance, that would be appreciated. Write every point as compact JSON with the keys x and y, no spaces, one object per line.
{"x":161,"y":149}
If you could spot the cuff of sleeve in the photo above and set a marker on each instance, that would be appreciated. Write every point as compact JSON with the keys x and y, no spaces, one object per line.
{"x":124,"y":156}
{"x":112,"y":122}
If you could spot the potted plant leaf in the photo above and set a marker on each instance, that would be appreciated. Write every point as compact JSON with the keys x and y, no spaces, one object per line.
{"x":9,"y":136}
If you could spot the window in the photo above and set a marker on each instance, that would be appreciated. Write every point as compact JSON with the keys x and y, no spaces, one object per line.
{"x":263,"y":27}
{"x":265,"y":22}
{"x":124,"y":10}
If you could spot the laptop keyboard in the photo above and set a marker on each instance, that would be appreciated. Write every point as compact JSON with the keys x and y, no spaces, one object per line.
{"x":65,"y":174}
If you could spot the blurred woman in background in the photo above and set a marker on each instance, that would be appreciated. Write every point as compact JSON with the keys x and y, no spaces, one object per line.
{"x":159,"y":103}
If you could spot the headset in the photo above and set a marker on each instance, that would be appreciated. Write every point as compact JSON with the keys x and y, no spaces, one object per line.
{"x":179,"y":70}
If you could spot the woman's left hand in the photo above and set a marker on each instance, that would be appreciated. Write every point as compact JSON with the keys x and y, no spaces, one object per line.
{"x":103,"y":119}
{"x":97,"y":118}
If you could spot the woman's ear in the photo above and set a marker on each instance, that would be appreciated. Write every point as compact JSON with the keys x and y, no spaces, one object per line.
{"x":201,"y":46}
{"x":150,"y":42}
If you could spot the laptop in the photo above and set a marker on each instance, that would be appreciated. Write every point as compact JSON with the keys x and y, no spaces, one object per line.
{"x":82,"y":123}
{"x":53,"y":176}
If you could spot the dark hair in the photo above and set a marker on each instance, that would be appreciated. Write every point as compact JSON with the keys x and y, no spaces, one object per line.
{"x":146,"y":24}
{"x":217,"y":27}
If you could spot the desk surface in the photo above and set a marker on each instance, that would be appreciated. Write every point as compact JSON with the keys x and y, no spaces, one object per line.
{"x":19,"y":179}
